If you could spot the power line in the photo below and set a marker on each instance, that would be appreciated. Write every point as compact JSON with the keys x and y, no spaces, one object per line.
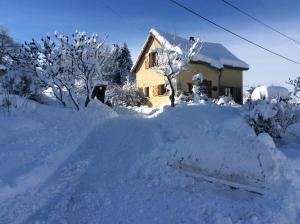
{"x":233,"y":33}
{"x":261,"y":22}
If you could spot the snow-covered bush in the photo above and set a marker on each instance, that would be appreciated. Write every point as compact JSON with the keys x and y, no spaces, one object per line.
{"x":199,"y":90}
{"x":247,"y":94}
{"x":269,"y":111}
{"x":295,"y":83}
{"x":126,"y":95}
{"x":185,"y":97}
{"x":225,"y":100}
{"x":20,"y":81}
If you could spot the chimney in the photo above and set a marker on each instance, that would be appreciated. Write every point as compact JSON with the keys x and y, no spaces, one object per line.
{"x":192,"y":39}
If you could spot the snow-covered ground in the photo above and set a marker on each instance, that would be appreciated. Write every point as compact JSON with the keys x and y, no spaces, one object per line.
{"x":130,"y":166}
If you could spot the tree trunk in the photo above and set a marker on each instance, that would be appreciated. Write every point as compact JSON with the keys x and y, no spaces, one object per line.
{"x":87,"y":100}
{"x":172,"y":95}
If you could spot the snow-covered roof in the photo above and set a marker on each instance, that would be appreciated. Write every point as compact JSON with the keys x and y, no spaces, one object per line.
{"x":270,"y":92}
{"x":214,"y":54}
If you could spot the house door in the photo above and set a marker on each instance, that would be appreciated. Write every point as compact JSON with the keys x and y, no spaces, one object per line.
{"x":208,"y":89}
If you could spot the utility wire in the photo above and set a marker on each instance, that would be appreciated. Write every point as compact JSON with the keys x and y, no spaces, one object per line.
{"x":259,"y":21}
{"x":233,"y":33}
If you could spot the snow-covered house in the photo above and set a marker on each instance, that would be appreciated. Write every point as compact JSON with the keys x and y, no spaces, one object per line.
{"x":223,"y":71}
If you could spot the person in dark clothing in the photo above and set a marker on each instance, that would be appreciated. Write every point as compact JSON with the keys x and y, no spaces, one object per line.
{"x":99,"y":92}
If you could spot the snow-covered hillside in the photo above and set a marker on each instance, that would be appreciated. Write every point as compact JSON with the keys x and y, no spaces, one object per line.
{"x":99,"y":166}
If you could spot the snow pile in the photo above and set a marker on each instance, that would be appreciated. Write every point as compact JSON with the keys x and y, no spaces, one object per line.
{"x":270,"y":92}
{"x":224,"y":148}
{"x":267,"y":140}
{"x":294,"y":130}
{"x":225,"y":100}
{"x":135,"y":169}
{"x":36,"y":139}
{"x":212,"y":53}
{"x":11,"y":103}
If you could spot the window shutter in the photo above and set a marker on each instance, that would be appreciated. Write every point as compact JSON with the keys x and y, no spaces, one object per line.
{"x":147,"y":61}
{"x":151,"y":59}
{"x":155,"y":91}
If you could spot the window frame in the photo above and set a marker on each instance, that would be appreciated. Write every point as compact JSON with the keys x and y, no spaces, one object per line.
{"x":153,"y":57}
{"x":162,"y":90}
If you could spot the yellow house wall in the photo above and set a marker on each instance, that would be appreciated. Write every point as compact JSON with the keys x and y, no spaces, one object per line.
{"x":149,"y":78}
{"x":232,"y":77}
{"x":208,"y":73}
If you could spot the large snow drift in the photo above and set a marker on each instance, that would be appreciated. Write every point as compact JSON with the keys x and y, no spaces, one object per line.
{"x":35,"y":139}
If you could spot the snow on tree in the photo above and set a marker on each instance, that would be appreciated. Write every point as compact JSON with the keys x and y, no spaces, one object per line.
{"x":199,"y":90}
{"x":19,"y":78}
{"x":170,"y":62}
{"x":70,"y":66}
{"x":126,"y":95}
{"x":118,"y":65}
{"x":125,"y":64}
{"x":7,"y":45}
{"x":111,"y":68}
{"x":295,"y":83}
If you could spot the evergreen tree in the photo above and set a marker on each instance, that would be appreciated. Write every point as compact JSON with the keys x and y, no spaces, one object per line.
{"x":125,"y":63}
{"x":112,"y":69}
{"x":7,"y":46}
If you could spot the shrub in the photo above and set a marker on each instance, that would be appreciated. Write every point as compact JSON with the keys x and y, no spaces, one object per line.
{"x":270,"y":116}
{"x":126,"y":95}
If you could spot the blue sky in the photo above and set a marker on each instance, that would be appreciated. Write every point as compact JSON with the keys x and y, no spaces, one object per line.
{"x":130,"y":21}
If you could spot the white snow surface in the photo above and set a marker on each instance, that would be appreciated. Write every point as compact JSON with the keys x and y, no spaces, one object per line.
{"x":214,"y":54}
{"x":270,"y":92}
{"x":294,"y":130}
{"x":96,"y":166}
{"x":2,"y":67}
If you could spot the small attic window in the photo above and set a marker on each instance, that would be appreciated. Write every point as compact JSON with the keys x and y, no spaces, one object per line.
{"x":153,"y":59}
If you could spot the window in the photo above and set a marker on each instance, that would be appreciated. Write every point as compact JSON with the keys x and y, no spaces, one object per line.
{"x":152,"y":59}
{"x":234,"y":92}
{"x":162,"y":89}
{"x":146,"y":91}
